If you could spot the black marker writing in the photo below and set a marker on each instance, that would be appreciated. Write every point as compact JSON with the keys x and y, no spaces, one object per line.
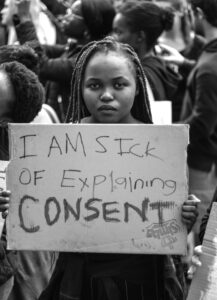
{"x":27,"y":139}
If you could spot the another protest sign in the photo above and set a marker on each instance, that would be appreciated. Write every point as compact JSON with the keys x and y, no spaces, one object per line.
{"x":161,"y":112}
{"x":98,"y":188}
{"x":204,"y":284}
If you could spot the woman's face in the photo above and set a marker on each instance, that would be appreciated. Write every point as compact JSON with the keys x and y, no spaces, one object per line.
{"x":109,"y":88}
{"x":122,"y":31}
{"x":7,"y":96}
{"x":73,"y":22}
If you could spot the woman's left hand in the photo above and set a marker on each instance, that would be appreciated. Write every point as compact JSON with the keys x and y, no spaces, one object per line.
{"x":190,"y":211}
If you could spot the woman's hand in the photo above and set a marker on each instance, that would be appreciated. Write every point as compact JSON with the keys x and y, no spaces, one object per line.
{"x":4,"y":203}
{"x":190,"y":211}
{"x":170,"y":54}
{"x":195,"y":261}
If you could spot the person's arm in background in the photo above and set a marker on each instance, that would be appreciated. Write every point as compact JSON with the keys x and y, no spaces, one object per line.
{"x":173,"y":57}
{"x":54,"y":69}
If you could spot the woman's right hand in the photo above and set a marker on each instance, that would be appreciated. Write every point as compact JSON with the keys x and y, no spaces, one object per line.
{"x":4,"y":203}
{"x":195,"y":261}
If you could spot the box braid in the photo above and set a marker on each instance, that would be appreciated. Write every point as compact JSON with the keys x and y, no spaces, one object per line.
{"x":77,"y":109}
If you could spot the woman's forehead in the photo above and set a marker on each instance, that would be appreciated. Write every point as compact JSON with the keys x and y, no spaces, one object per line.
{"x":112,"y":60}
{"x":112,"y":56}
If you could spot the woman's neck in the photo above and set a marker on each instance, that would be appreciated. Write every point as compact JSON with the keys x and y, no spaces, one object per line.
{"x":91,"y":120}
{"x":143,"y":52}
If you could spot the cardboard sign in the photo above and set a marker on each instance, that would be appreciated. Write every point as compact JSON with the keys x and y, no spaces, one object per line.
{"x":3,"y":166}
{"x":98,"y":188}
{"x":161,"y":112}
{"x":204,"y":283}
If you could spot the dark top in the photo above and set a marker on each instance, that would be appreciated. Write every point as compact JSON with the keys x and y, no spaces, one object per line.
{"x":163,"y":80}
{"x":200,"y":110}
{"x":56,"y":7}
{"x":191,"y":53}
{"x":114,"y":277}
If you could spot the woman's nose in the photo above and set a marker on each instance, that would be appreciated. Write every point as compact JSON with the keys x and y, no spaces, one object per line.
{"x":107,"y":96}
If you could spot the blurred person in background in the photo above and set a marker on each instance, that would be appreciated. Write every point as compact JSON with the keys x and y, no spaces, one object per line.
{"x":45,"y":29}
{"x":181,"y":32}
{"x":140,"y":24}
{"x":86,"y":20}
{"x":23,"y":274}
{"x":29,"y":58}
{"x":180,"y":46}
{"x":200,"y":111}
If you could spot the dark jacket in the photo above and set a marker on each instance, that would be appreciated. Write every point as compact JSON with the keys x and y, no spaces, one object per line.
{"x":191,"y":53}
{"x":56,"y":67}
{"x":163,"y":80}
{"x":200,"y":110}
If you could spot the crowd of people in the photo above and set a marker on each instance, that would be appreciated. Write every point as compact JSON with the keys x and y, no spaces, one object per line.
{"x":60,"y":61}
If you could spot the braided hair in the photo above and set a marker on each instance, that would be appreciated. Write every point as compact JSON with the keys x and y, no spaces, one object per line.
{"x":77,"y":109}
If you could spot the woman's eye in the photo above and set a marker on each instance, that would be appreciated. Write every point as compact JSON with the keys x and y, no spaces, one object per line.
{"x":94,"y":86}
{"x":119,"y":85}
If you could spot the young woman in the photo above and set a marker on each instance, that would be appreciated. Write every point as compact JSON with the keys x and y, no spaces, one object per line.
{"x":109,"y":86}
{"x":140,"y":24}
{"x":182,"y":46}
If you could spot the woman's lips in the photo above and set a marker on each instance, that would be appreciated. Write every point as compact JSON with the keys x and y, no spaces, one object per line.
{"x":106,"y":108}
